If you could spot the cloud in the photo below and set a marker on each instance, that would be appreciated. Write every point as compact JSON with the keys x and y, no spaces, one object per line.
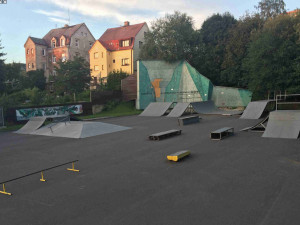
{"x":53,"y":19}
{"x":59,"y":14}
{"x":135,"y":11}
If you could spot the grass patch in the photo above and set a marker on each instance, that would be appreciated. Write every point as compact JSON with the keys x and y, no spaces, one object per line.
{"x":122,"y":109}
{"x":11,"y":127}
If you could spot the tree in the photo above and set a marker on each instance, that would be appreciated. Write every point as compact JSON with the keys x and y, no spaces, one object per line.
{"x":34,"y":78}
{"x":172,"y":38}
{"x":270,"y":8}
{"x":2,"y":72}
{"x":73,"y":76}
{"x":272,"y":60}
{"x":211,"y":46}
{"x":114,"y":80}
{"x":239,"y":37}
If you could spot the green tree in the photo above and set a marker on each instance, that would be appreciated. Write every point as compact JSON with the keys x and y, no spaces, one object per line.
{"x":172,"y":38}
{"x":73,"y":76}
{"x":114,"y":80}
{"x":34,"y":78}
{"x":270,"y":8}
{"x":2,"y":71}
{"x":239,"y":38}
{"x":214,"y":34}
{"x":272,"y":60}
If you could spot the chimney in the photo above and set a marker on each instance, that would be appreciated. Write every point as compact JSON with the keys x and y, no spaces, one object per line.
{"x":66,"y":25}
{"x":126,"y":23}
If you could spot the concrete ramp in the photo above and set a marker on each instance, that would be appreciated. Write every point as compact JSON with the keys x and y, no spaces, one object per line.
{"x":179,"y":109}
{"x":254,"y":110}
{"x":208,"y":107}
{"x":156,"y":109}
{"x":283,"y":124}
{"x":78,"y":129}
{"x":32,"y":125}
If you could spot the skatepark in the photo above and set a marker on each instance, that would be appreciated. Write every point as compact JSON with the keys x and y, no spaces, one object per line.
{"x":125,"y":178}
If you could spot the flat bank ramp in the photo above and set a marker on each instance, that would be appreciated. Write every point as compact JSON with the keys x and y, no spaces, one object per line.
{"x":156,"y":109}
{"x":32,"y":125}
{"x":283,"y":124}
{"x":254,"y":110}
{"x":208,"y":107}
{"x":179,"y":109}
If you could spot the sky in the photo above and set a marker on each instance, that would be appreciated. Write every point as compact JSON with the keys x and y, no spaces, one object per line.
{"x":23,"y":18}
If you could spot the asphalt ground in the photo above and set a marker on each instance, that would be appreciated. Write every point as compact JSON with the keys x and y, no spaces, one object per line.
{"x":125,"y":178}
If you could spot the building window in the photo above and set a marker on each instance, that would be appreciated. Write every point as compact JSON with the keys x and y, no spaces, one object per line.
{"x":77,"y":54}
{"x":54,"y":59}
{"x":102,"y":54}
{"x":91,"y":43}
{"x":96,"y":55}
{"x":102,"y":67}
{"x":32,"y":51}
{"x":62,"y":42}
{"x":29,"y":65}
{"x":81,"y":33}
{"x":114,"y":60}
{"x":54,"y":73}
{"x":125,"y":43}
{"x":63,"y":57}
{"x":53,"y":44}
{"x":125,"y":62}
{"x":44,"y":66}
{"x":77,"y":43}
{"x":32,"y":65}
{"x":96,"y":68}
{"x":44,"y":52}
{"x":27,"y":51}
{"x":140,"y":44}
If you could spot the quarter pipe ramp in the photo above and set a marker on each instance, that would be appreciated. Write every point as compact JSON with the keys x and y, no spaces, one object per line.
{"x":179,"y":109}
{"x":283,"y":124}
{"x":156,"y":109}
{"x":32,"y":125}
{"x":254,"y":110}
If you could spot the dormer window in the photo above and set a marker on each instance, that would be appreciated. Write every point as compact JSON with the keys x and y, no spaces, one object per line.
{"x":32,"y":51}
{"x":125,"y":43}
{"x":62,"y":42}
{"x":27,"y":51}
{"x":53,"y":43}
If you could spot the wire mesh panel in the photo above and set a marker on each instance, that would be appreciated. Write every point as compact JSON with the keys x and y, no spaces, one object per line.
{"x":1,"y":117}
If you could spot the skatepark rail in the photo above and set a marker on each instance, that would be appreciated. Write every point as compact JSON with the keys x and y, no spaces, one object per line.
{"x":36,"y":172}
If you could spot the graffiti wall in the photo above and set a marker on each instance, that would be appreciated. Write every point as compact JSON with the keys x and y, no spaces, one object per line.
{"x":26,"y":114}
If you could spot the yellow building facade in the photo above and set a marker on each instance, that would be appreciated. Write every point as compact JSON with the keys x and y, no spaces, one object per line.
{"x":116,"y":50}
{"x":103,"y":61}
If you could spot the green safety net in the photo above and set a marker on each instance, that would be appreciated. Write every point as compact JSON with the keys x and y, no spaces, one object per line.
{"x":203,"y":84}
{"x":172,"y":89}
{"x":146,"y":91}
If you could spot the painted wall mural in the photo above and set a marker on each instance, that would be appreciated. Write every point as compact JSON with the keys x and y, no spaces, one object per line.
{"x":26,"y":114}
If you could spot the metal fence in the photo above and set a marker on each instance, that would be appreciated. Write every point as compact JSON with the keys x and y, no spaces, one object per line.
{"x":1,"y":117}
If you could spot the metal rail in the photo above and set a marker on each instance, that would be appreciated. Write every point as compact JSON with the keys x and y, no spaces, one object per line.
{"x":62,"y":120}
{"x":279,"y":99}
{"x":39,"y":171}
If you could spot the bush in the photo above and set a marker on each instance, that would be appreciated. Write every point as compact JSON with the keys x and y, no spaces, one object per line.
{"x":110,"y":105}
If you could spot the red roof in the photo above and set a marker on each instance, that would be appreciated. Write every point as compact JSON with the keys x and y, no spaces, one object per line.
{"x":111,"y":37}
{"x":67,"y":31}
{"x":294,"y":11}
